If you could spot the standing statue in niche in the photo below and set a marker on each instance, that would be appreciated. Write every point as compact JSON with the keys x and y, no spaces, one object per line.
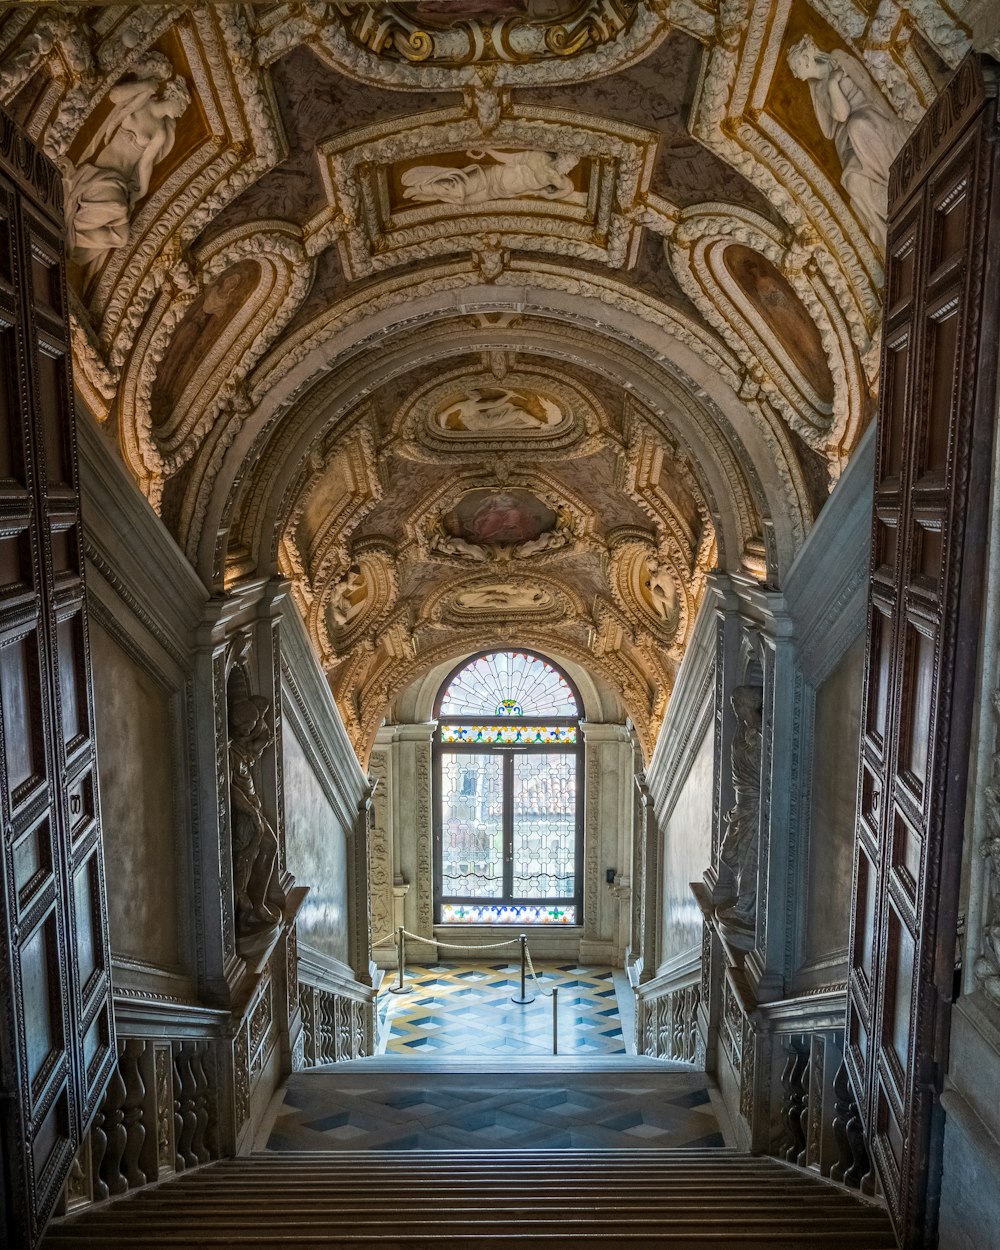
{"x":740,"y":843}
{"x":255,"y":844}
{"x":662,"y":589}
{"x":116,"y":167}
{"x":864,"y":129}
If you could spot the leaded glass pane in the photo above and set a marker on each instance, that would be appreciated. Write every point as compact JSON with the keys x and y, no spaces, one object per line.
{"x":508,"y":683}
{"x":544,"y":825}
{"x":471,"y":825}
{"x":511,"y":734}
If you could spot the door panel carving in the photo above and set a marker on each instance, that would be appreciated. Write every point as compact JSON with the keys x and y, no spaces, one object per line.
{"x":58,"y":1044}
{"x":928,"y":538}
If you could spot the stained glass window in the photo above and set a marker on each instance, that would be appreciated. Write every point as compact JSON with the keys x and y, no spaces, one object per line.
{"x":509,"y":835}
{"x":508,"y":683}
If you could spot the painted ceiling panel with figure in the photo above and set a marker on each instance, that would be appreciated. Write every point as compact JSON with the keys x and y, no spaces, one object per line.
{"x":479,"y":320}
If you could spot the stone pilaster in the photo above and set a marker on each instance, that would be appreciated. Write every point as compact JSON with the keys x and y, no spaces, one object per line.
{"x":380,"y":849}
{"x":607,"y":837}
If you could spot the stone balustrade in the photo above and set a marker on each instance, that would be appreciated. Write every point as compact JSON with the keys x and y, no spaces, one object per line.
{"x":159,"y":1117}
{"x":335,"y":1025}
{"x":818,"y":1122}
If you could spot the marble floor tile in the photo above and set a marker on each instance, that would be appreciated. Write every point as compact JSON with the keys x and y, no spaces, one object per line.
{"x":452,"y":1009}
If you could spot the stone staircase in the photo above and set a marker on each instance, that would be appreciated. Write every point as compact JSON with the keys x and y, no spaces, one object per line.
{"x":502,"y":1199}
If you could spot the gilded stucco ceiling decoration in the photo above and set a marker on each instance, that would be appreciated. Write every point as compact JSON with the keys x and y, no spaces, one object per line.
{"x":503,"y":406}
{"x":538,"y":180}
{"x":482,"y":535}
{"x":442,"y":32}
{"x":482,"y":322}
{"x":447,"y":44}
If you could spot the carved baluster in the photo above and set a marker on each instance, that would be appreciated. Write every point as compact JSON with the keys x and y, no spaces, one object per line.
{"x":308,"y":1025}
{"x":804,"y":1113}
{"x":329,"y":1042}
{"x":854,"y":1166}
{"x":791,"y":1107}
{"x":133,"y":1110}
{"x":198,"y":1145}
{"x":114,"y":1130}
{"x":208,"y":1066}
{"x":98,"y":1149}
{"x":320,"y":1008}
{"x":179,"y":1161}
{"x":188,"y":1119}
{"x":859,"y":1175}
{"x":843,"y":1109}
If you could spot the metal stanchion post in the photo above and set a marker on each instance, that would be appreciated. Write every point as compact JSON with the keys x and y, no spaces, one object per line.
{"x":555,"y":1019}
{"x":523,"y":999}
{"x":399,"y":987}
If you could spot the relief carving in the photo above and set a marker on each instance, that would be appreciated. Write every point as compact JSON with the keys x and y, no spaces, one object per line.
{"x":259,"y":899}
{"x":987,"y":965}
{"x":741,"y":840}
{"x":851,"y":111}
{"x":512,"y":175}
{"x":116,"y":167}
{"x":493,"y":409}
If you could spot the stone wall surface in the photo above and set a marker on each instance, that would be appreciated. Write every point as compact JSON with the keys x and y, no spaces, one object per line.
{"x":687,"y":840}
{"x":316,"y":848}
{"x":144,"y":846}
{"x":832,"y":807}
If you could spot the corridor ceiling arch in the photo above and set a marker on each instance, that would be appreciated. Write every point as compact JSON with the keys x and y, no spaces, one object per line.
{"x":650,"y":202}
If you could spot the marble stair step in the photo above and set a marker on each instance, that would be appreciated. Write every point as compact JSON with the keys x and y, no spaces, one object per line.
{"x":485,"y":1200}
{"x":549,"y":1204}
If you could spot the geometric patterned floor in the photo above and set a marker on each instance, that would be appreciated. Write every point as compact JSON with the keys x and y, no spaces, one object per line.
{"x":346,"y":1107}
{"x":466,"y":1009}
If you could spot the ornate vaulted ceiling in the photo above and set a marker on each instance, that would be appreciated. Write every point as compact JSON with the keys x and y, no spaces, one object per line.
{"x":480,"y":322}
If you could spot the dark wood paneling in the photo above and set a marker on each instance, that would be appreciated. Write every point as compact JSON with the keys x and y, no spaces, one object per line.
{"x":57,"y":1045}
{"x":928,"y":537}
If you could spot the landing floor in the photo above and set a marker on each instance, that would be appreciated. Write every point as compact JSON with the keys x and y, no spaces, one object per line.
{"x":465,"y":1009}
{"x":354,"y":1106}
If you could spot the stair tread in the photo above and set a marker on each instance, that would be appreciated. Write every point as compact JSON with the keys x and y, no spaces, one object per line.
{"x":643,"y":1199}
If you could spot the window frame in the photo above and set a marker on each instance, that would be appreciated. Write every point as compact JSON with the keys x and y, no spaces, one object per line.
{"x":507,"y":752}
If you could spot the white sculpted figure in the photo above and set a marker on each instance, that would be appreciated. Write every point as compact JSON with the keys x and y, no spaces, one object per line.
{"x":852,"y":113}
{"x":662,"y":589}
{"x":551,"y":540}
{"x":343,"y":607}
{"x":509,"y":411}
{"x":115,"y":169}
{"x":452,"y":545}
{"x":504,"y":596}
{"x":515,"y":175}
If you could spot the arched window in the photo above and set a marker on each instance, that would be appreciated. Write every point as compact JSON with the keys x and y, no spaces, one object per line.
{"x":508,"y":824}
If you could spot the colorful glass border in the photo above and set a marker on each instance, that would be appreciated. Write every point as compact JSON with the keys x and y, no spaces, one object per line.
{"x":509,"y":735}
{"x":527,"y":913}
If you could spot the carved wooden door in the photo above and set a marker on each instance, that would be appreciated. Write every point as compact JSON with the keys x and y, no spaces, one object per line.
{"x":56,"y":1036}
{"x":938,"y":387}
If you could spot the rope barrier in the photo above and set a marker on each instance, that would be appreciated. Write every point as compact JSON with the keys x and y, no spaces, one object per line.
{"x":526,"y":965}
{"x":534,"y":976}
{"x":454,"y":946}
